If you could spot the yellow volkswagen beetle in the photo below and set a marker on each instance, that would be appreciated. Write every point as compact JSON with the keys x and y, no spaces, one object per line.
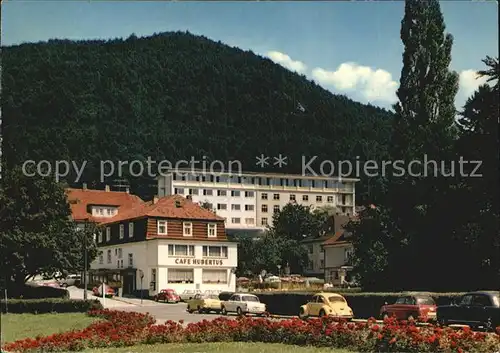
{"x":204,"y":303}
{"x":326,"y":304}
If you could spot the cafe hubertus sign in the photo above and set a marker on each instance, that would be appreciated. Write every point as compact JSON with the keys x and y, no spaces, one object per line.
{"x":199,"y":262}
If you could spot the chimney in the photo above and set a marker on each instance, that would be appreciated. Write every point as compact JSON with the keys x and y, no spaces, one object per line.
{"x":155,"y":199}
{"x":107,"y":188}
{"x":84,"y":186}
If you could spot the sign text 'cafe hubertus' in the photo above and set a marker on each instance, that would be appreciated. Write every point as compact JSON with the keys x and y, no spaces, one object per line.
{"x":201,"y":262}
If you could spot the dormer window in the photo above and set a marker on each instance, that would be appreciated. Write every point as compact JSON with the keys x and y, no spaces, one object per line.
{"x":188,"y":229}
{"x":110,"y":211}
{"x":162,"y":227}
{"x":212,"y":230}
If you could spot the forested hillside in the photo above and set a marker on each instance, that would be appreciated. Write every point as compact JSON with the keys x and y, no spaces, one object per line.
{"x":173,"y":96}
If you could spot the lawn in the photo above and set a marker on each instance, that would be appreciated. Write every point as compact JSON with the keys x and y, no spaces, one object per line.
{"x":18,"y":326}
{"x":232,"y":347}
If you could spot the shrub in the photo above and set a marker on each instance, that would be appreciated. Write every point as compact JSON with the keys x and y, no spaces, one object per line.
{"x":130,"y":328}
{"x":364,"y":305}
{"x":51,"y":305}
{"x":37,"y":292}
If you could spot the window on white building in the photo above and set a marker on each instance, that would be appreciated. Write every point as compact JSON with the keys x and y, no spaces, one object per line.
{"x":264,"y":208}
{"x":235,"y":193}
{"x":264,"y":221}
{"x":249,"y":207}
{"x":108,"y":234}
{"x":214,"y":276}
{"x":235,"y":207}
{"x":221,"y":192}
{"x":101,"y":258}
{"x":180,"y":250}
{"x":130,"y":260}
{"x":292,"y":197}
{"x":264,"y":196}
{"x":120,"y":253}
{"x":305,"y":197}
{"x":180,"y":275}
{"x":276,"y":208}
{"x":319,"y":199}
{"x":110,"y":211}
{"x":215,"y":251}
{"x":212,"y":230}
{"x":162,"y":227}
{"x":188,"y":229}
{"x":193,"y":191}
{"x":221,"y":206}
{"x":101,"y":212}
{"x":249,"y":221}
{"x":249,"y":194}
{"x":130,"y":229}
{"x":208,"y":192}
{"x":276,"y":196}
{"x":122,"y":231}
{"x":235,"y":220}
{"x":109,"y":256}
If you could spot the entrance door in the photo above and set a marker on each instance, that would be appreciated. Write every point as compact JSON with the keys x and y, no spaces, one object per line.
{"x":128,"y":284}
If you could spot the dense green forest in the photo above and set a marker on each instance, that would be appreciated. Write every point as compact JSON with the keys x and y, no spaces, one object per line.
{"x":173,"y":96}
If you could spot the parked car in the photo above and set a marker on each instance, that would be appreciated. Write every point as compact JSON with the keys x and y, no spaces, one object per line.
{"x":417,"y":307}
{"x":189,"y":294}
{"x":97,"y":291}
{"x":326,"y":304}
{"x":475,"y":309}
{"x":242,"y":304}
{"x":204,"y":303}
{"x":167,"y":295}
{"x":70,"y":280}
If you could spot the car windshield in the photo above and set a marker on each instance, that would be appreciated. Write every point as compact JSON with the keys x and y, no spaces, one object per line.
{"x":425,"y":301}
{"x":250,"y":298}
{"x":336,"y":299}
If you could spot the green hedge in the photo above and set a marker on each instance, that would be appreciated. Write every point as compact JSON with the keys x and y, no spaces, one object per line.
{"x":51,"y":305}
{"x":364,"y":305}
{"x":37,"y":292}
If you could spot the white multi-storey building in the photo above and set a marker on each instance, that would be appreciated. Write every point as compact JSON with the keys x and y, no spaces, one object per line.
{"x":247,"y":201}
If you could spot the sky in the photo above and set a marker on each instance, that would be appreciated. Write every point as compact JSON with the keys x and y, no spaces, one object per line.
{"x":350,"y":48}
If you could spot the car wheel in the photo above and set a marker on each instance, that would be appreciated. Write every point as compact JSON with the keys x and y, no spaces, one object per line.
{"x":239,"y":311}
{"x":302,"y":314}
{"x":189,"y":310}
{"x":200,"y":310}
{"x":64,"y":285}
{"x":156,"y":299}
{"x":488,"y":325}
{"x":223,"y":311}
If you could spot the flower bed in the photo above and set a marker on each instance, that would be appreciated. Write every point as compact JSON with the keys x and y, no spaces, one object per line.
{"x":128,"y":329}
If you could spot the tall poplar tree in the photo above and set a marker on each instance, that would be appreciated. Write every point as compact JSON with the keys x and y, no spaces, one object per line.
{"x":423,"y":126}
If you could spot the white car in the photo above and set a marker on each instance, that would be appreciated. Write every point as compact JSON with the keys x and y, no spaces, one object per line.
{"x":189,"y":294}
{"x":242,"y":304}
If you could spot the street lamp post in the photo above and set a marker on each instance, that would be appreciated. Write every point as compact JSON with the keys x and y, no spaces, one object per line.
{"x":279,"y":275}
{"x":141,"y":274}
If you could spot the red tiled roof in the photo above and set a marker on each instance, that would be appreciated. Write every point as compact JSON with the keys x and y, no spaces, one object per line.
{"x":80,"y":199}
{"x":166,"y":207}
{"x":335,"y":238}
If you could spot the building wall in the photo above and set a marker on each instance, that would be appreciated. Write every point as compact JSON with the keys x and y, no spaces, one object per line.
{"x":330,"y":191}
{"x":336,"y":256}
{"x":316,"y":257}
{"x":154,"y":255}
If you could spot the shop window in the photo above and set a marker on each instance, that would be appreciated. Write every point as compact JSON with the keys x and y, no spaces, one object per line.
{"x":214,"y":276}
{"x":180,"y":275}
